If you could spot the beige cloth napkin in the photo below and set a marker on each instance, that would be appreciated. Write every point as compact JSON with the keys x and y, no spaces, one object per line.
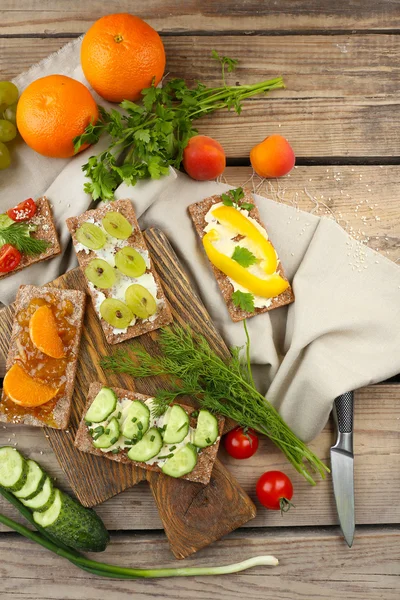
{"x":342,"y":332}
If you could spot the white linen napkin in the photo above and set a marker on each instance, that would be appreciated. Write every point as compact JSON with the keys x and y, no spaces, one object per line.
{"x":341,"y":333}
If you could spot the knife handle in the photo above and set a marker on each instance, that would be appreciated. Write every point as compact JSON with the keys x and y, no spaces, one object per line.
{"x":344,"y":412}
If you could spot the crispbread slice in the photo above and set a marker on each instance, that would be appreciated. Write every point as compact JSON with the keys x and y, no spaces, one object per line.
{"x":197,"y":212}
{"x":62,"y":410}
{"x":136,"y":240}
{"x":46,"y":230}
{"x":84,"y":442}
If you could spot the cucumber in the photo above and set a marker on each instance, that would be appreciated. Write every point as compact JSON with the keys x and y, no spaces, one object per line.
{"x":182,"y":463}
{"x":69,"y":522}
{"x":43,"y":500}
{"x":137,"y":420}
{"x":106,"y":440}
{"x":13,"y":469}
{"x":177,"y":425}
{"x":34,"y":482}
{"x":102,"y":406}
{"x":206,"y":431}
{"x":148,"y":447}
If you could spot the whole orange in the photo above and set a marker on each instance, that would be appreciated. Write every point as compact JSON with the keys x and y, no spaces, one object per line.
{"x":121,"y":55}
{"x":273,"y":157}
{"x":53,"y":110}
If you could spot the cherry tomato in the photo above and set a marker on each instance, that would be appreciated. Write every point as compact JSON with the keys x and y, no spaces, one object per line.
{"x":241,"y":443}
{"x":10,"y":258}
{"x":23,"y":211}
{"x":275,"y":490}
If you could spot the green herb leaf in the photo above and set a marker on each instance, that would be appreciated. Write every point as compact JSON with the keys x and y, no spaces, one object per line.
{"x":244,"y":257}
{"x":243,"y":300}
{"x":247,"y":206}
{"x":18,"y":235}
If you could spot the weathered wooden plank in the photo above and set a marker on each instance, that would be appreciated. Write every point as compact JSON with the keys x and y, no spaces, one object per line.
{"x":341,"y":96}
{"x":65,"y":16}
{"x":377,"y":467}
{"x":314,"y":564}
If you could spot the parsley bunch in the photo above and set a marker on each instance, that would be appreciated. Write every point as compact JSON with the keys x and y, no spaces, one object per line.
{"x":147,"y":138}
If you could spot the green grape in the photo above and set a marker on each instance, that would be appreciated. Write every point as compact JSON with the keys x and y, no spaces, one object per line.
{"x":8,"y":131}
{"x":8,"y":93}
{"x":10,"y":113}
{"x":5,"y":159}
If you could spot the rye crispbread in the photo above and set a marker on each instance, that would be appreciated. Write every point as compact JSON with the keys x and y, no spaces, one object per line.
{"x":46,"y":230}
{"x":197,"y":212}
{"x":84,"y":441}
{"x":62,"y":410}
{"x":136,"y":240}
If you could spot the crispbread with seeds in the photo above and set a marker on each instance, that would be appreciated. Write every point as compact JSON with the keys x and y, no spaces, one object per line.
{"x":84,"y":441}
{"x":198,"y":212}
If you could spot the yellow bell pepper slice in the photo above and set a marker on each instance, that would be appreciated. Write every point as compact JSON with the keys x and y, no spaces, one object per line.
{"x":239,"y":223}
{"x":267,"y":288}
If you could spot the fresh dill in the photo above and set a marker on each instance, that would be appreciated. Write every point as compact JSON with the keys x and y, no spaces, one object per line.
{"x":18,"y":235}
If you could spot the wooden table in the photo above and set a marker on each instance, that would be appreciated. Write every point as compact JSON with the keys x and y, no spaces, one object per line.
{"x":340,"y":111}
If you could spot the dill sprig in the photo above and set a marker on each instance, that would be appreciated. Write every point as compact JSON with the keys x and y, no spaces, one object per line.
{"x":18,"y":235}
{"x":224,"y":387}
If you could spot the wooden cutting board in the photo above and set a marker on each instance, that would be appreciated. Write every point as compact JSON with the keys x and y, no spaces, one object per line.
{"x":193,"y":515}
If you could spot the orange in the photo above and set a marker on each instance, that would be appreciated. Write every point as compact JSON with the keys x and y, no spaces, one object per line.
{"x":120,"y":55}
{"x":24,"y":390}
{"x":52,"y":111}
{"x":44,"y":333}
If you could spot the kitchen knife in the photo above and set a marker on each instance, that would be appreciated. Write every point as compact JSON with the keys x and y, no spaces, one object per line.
{"x":342,"y":464}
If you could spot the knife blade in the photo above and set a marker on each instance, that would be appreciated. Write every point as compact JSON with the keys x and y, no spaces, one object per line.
{"x":342,"y":465}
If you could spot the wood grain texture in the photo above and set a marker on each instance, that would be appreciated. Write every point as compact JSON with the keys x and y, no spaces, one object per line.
{"x":315,"y":564}
{"x":341,"y":98}
{"x":66,"y":16}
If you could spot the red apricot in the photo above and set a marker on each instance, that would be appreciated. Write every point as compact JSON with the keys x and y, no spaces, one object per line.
{"x":273,"y":157}
{"x":203,"y":158}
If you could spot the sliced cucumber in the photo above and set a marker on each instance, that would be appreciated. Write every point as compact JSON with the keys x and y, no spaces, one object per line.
{"x":13,"y":469}
{"x":102,"y":406}
{"x":182,"y":463}
{"x":177,"y":425}
{"x":69,"y":522}
{"x":206,"y":431}
{"x":110,"y":436}
{"x":148,"y":447}
{"x":137,"y":420}
{"x":34,"y":482}
{"x":44,"y":499}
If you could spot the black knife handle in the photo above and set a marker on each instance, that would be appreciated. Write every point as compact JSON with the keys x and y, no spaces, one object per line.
{"x":344,"y":412}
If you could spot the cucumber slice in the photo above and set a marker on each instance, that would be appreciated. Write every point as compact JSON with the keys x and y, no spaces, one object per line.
{"x":69,"y":522}
{"x":182,"y":463}
{"x":206,"y":431}
{"x":177,"y":425}
{"x":137,"y":420}
{"x":43,"y":500}
{"x":148,"y":447}
{"x":110,"y":435}
{"x":102,"y":406}
{"x":34,"y":482}
{"x":13,"y":469}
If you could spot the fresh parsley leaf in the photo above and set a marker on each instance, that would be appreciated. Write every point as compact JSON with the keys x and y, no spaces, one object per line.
{"x":225,"y":61}
{"x":233,"y":197}
{"x":244,"y":257}
{"x":243,"y":300}
{"x":247,"y":206}
{"x":226,"y":200}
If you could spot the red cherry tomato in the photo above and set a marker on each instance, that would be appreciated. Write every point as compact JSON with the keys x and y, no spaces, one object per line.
{"x":10,"y":258}
{"x":241,"y":443}
{"x":23,"y":211}
{"x":275,"y":490}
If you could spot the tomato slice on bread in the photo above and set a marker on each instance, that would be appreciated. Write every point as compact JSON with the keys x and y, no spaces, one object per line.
{"x":23,"y":211}
{"x":10,"y":258}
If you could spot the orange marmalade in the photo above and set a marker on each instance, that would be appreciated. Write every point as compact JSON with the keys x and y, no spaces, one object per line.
{"x":38,"y":365}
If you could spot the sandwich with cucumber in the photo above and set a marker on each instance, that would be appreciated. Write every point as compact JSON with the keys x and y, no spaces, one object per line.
{"x":119,"y":425}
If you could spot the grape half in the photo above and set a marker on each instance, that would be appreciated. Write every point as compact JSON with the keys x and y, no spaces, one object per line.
{"x":116,"y":313}
{"x":130,"y":262}
{"x":100,"y":273}
{"x":140,"y":301}
{"x":5,"y":158}
{"x":91,"y":236}
{"x":116,"y":225}
{"x":8,"y":131}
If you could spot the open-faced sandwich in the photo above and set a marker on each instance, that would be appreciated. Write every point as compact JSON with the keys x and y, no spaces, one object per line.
{"x":125,"y":289}
{"x":119,"y":425}
{"x":245,"y":263}
{"x":27,"y":236}
{"x":42,"y":358}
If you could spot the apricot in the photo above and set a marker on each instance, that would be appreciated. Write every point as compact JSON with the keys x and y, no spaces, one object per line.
{"x":203,"y":158}
{"x":273,"y":157}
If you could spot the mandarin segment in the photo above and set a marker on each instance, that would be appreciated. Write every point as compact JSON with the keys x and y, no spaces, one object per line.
{"x":26,"y":391}
{"x":44,"y":334}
